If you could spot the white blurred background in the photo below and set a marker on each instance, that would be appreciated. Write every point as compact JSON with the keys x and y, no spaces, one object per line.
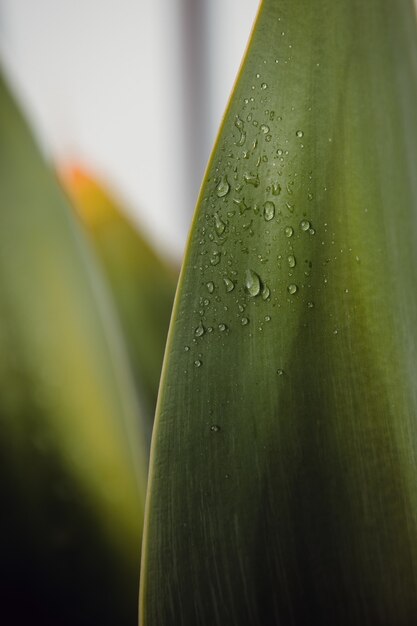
{"x":132,"y":89}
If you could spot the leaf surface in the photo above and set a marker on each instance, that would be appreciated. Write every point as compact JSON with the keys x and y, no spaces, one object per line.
{"x":283,"y":470}
{"x":142,"y":283}
{"x":72,"y":450}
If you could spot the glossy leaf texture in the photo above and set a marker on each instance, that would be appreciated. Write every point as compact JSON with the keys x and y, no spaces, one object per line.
{"x":142,"y":283}
{"x":72,"y":450}
{"x":283,"y":481}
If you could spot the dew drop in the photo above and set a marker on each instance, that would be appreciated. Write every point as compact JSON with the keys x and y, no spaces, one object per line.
{"x":200,"y":330}
{"x":244,"y":321}
{"x":265,"y":292}
{"x":292,"y":289}
{"x":252,"y":283}
{"x":242,"y":139}
{"x":299,"y":133}
{"x":229,"y":284}
{"x":291,"y":260}
{"x":222,"y":327}
{"x":310,"y":305}
{"x":215,"y":428}
{"x":187,"y":348}
{"x":210,"y":287}
{"x":265,"y":129}
{"x":223,"y":187}
{"x":267,"y":318}
{"x":280,"y":372}
{"x":264,"y":86}
{"x":220,"y":226}
{"x":239,"y":123}
{"x":305,"y":225}
{"x":269,"y":211}
{"x":215,"y":259}
{"x":276,"y":189}
{"x":289,"y":231}
{"x":250,"y":179}
{"x":197,"y":363}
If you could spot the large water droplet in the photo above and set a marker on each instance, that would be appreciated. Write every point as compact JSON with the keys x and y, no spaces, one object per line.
{"x":291,"y":260}
{"x":229,"y":284}
{"x":220,"y":226}
{"x":289,"y":231}
{"x":305,"y":225}
{"x":252,"y":283}
{"x":200,"y":330}
{"x":210,"y":287}
{"x":265,"y":129}
{"x":269,"y":211}
{"x":292,"y":289}
{"x":223,"y":187}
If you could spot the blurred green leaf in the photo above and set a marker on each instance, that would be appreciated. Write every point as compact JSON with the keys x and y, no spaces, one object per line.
{"x":143,"y":285}
{"x":72,"y":449}
{"x":283,"y":482}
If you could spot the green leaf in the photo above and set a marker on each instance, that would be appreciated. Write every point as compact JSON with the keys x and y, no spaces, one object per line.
{"x":142,"y":284}
{"x":72,"y":451}
{"x":283,"y":482}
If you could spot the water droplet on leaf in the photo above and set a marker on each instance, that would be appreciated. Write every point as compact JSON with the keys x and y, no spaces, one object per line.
{"x":200,"y":330}
{"x":223,"y":187}
{"x":269,"y":211}
{"x":229,"y":284}
{"x":252,"y":283}
{"x":220,"y":226}
{"x":250,"y":179}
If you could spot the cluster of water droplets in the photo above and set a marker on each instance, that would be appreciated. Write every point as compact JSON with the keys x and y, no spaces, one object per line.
{"x":257,"y":231}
